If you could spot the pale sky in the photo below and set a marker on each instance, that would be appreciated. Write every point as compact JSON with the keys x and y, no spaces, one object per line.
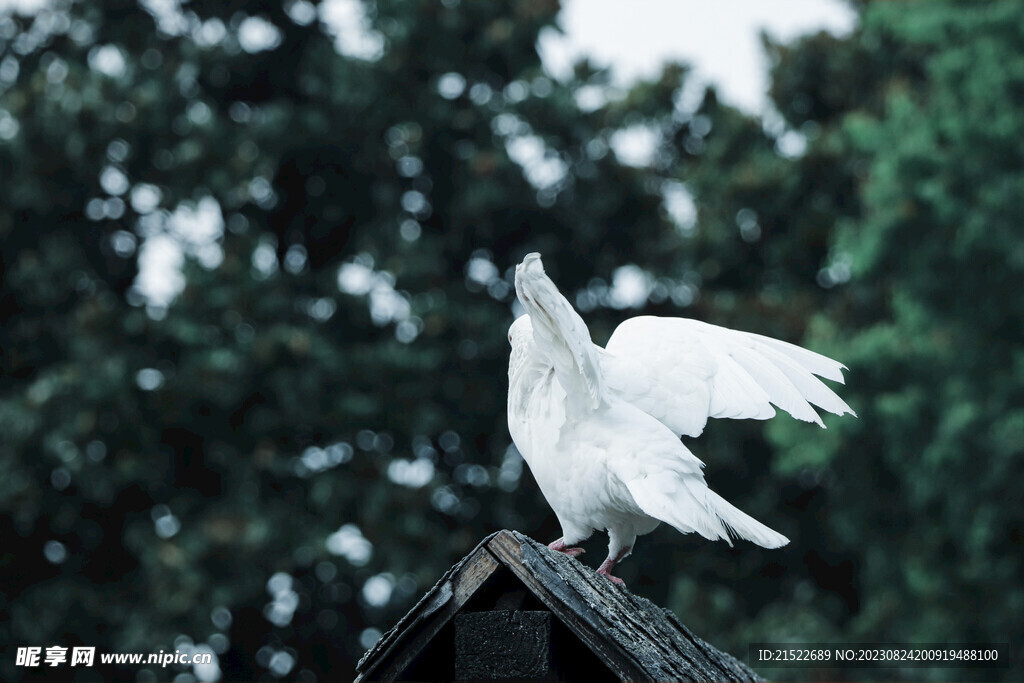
{"x":719,"y":38}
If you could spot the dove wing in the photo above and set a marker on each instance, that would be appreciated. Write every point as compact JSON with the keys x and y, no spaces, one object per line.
{"x":560,"y":333}
{"x":684,"y":371}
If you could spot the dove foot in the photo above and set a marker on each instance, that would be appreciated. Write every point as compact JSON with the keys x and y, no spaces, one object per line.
{"x":613,"y":579}
{"x":606,"y":567}
{"x":561,"y":546}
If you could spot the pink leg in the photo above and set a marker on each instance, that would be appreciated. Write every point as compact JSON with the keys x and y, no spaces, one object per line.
{"x":561,"y":546}
{"x":606,"y":567}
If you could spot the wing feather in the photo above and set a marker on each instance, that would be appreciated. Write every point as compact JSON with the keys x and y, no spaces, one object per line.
{"x":810,"y":387}
{"x":685,"y":371}
{"x":777,"y":386}
{"x":736,"y":394}
{"x":815,"y":363}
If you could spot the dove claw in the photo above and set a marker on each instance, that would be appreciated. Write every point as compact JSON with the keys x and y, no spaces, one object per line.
{"x":608,"y":565}
{"x":614,"y":579}
{"x":561,"y":546}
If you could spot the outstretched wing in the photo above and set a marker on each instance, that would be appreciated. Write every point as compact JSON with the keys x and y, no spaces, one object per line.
{"x":683,"y":371}
{"x":560,"y":334}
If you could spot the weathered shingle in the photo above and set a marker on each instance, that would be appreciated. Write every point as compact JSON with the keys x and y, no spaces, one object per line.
{"x":634,"y":638}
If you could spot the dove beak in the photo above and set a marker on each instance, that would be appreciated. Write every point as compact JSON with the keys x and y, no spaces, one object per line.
{"x":529,"y":260}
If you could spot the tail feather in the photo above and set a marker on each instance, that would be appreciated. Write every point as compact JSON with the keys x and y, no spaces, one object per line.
{"x":742,"y":525}
{"x":690,"y":506}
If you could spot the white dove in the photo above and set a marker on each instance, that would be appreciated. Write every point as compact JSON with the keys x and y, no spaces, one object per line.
{"x":600,"y":428}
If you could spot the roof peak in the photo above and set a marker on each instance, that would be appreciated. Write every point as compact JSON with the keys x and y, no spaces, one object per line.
{"x":630,"y":635}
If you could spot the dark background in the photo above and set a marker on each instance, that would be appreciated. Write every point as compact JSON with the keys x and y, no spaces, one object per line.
{"x":278,"y":462}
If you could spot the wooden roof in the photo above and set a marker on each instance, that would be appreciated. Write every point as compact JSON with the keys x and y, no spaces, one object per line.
{"x":634,"y":638}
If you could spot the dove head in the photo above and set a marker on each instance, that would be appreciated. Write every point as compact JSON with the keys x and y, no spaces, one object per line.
{"x":527,"y":272}
{"x":531,"y":263}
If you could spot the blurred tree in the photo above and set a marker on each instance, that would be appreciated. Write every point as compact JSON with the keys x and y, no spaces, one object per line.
{"x":880,"y":208}
{"x":255,"y":297}
{"x":256,"y":280}
{"x":922,"y":486}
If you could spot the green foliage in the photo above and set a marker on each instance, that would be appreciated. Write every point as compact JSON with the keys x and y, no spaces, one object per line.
{"x":323,"y":401}
{"x":283,"y":453}
{"x":920,"y":486}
